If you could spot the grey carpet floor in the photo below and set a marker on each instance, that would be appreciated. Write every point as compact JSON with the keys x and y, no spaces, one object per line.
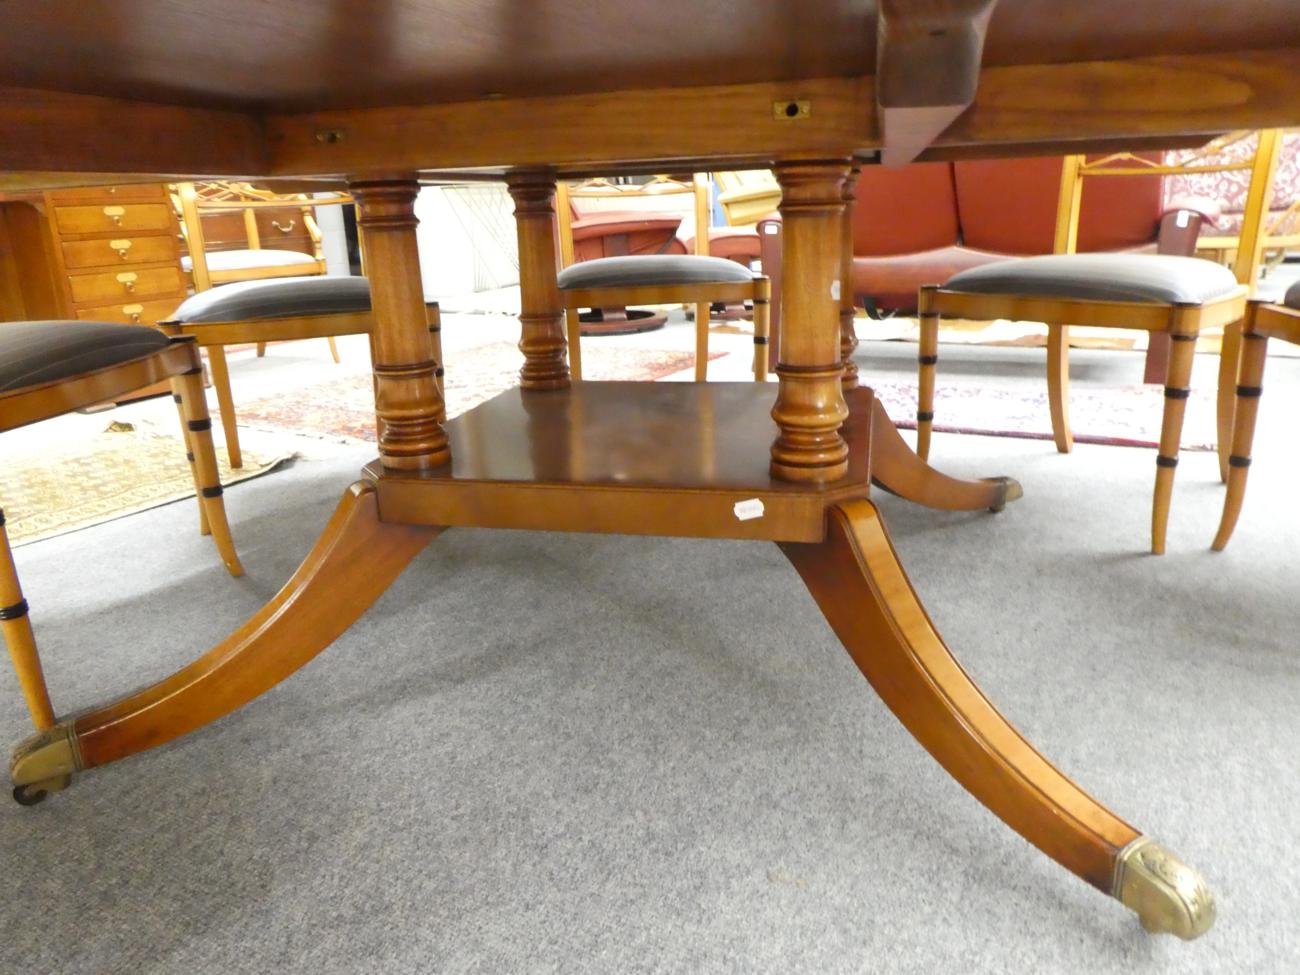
{"x":548,"y":753}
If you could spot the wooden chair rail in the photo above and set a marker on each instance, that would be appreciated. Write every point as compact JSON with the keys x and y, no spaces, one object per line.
{"x":55,"y":398}
{"x":657,"y":294}
{"x":1147,"y":316}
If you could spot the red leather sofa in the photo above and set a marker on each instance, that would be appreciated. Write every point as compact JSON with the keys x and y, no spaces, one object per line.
{"x":923,"y":223}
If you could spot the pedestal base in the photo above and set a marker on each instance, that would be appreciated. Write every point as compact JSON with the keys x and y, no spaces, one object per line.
{"x":688,"y":459}
{"x":621,"y":321}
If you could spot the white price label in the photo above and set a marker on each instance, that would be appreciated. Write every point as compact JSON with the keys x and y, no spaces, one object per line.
{"x":748,"y":509}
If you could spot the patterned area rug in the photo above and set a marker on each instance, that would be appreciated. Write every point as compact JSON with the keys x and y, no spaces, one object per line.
{"x":345,"y":408}
{"x":1127,"y":416}
{"x":1004,"y":331}
{"x":116,"y":472}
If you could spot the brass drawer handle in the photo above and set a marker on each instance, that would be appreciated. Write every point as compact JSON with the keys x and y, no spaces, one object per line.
{"x":127,"y":280}
{"x":115,"y":214}
{"x":134,"y":311}
{"x":282,"y":229}
{"x":121,"y":246}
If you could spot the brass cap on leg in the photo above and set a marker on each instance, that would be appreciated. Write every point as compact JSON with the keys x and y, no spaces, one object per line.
{"x":50,"y":756}
{"x":1168,"y":896}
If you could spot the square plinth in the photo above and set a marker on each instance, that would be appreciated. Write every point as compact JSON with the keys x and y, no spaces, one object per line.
{"x":635,"y":458}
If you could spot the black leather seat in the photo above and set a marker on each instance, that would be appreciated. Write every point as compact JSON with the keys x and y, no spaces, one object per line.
{"x":1158,"y":278}
{"x":35,"y":353}
{"x":274,"y":298}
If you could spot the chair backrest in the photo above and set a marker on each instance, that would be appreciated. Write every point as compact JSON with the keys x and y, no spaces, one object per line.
{"x":1218,"y":156}
{"x":686,"y":198}
{"x":224,"y":215}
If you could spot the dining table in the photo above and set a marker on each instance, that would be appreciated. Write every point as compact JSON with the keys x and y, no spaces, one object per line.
{"x":382,"y":95}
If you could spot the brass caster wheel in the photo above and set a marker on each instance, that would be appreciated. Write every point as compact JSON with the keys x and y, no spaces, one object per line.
{"x":29,"y":795}
{"x":44,"y":763}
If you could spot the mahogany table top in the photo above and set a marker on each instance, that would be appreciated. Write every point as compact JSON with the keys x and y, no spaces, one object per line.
{"x":300,"y":87}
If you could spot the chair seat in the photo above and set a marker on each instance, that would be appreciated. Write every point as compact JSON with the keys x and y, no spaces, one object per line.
{"x":245,"y":260}
{"x":35,"y":353}
{"x":274,"y":298}
{"x":650,"y":269}
{"x":1292,"y":297}
{"x":1144,"y":278}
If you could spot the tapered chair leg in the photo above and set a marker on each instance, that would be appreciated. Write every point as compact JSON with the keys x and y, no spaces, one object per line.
{"x":225,"y":404}
{"x":927,"y":358}
{"x":1181,"y":353}
{"x":857,"y":581}
{"x":207,"y":479}
{"x":334,"y":349}
{"x":204,"y":529}
{"x":573,"y":332}
{"x":1058,"y":385}
{"x":703,"y":313}
{"x":261,"y":349}
{"x":762,"y":328}
{"x":1254,"y":354}
{"x":17,"y":630}
{"x":1230,"y":350}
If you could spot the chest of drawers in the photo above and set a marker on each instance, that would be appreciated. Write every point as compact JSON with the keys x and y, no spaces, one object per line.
{"x":105,"y":253}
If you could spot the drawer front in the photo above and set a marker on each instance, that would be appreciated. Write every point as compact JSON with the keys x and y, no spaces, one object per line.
{"x":103,"y":195}
{"x":110,"y":251}
{"x":113,"y":286}
{"x":113,"y":217}
{"x":131,"y":312}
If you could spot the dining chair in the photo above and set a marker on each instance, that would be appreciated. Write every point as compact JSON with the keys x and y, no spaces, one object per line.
{"x":1178,"y":296}
{"x":224,"y":222}
{"x":274,"y":310}
{"x":1263,"y":321}
{"x":659,"y":279}
{"x":645,"y":219}
{"x":216,"y":214}
{"x":49,"y":368}
{"x":1244,"y":158}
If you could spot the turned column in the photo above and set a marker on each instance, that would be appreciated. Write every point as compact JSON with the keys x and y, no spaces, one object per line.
{"x":541,"y":316}
{"x":407,"y":399}
{"x":810,"y":400}
{"x":848,"y":334}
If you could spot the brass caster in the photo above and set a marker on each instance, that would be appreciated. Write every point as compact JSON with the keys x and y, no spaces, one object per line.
{"x":1012,"y":491}
{"x":1168,"y":896}
{"x":34,"y":792}
{"x":44,"y":763}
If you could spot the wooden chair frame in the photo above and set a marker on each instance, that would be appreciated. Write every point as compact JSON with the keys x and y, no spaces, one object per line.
{"x":191,"y":200}
{"x":215,"y":336}
{"x":1183,"y":323}
{"x":1246,"y":261}
{"x":179,"y":362}
{"x":759,"y":291}
{"x":659,"y":186}
{"x":1262,"y":322}
{"x":701,"y":190}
